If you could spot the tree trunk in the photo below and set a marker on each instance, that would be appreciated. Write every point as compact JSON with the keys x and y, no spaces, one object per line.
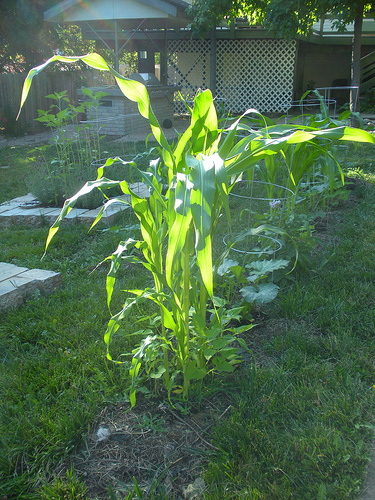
{"x":356,"y":60}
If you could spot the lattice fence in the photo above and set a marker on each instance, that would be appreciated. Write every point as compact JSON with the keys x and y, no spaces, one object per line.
{"x":189,"y":67}
{"x":250,"y":73}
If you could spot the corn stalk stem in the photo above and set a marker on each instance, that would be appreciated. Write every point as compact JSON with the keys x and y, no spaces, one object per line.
{"x":186,"y":306}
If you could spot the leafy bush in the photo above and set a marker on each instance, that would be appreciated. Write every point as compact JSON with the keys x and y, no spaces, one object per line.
{"x":61,"y":168}
{"x":368,"y":102}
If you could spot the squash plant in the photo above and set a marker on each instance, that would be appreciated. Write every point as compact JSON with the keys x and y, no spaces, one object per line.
{"x":189,"y":186}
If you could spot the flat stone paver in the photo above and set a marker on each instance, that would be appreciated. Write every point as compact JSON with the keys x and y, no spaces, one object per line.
{"x":16,"y":211}
{"x":19,"y":283}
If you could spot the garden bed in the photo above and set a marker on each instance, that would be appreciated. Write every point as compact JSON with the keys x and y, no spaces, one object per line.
{"x":278,"y":347}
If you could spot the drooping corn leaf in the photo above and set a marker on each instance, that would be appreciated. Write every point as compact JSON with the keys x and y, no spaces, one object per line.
{"x":133,"y":90}
{"x":102,"y":183}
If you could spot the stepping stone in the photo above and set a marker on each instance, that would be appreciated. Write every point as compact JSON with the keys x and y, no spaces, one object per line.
{"x":19,"y":283}
{"x":16,"y":211}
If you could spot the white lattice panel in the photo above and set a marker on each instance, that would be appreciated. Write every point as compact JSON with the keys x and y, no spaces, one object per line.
{"x":255,"y":73}
{"x":250,"y":73}
{"x":188,"y":67}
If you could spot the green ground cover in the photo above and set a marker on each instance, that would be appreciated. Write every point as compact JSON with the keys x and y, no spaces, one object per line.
{"x":303,"y":415}
{"x":280,"y":332}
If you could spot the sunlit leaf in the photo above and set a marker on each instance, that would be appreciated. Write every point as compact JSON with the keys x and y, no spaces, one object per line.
{"x":260,"y":294}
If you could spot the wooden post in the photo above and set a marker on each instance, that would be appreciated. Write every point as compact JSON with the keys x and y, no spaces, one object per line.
{"x":116,"y":48}
{"x":164,"y":60}
{"x":356,"y":61}
{"x":213,"y":62}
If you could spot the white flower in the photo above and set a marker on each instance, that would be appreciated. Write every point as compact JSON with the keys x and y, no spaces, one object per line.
{"x":274,"y":203}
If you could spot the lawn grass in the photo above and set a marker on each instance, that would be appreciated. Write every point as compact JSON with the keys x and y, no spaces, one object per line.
{"x":303,"y":416}
{"x":303,"y":423}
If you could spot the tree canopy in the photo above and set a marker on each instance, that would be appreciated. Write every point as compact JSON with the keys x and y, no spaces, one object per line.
{"x":286,"y":18}
{"x":26,"y":40}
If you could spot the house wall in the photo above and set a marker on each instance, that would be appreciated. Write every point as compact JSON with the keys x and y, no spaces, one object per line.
{"x":250,"y":73}
{"x":321,"y":64}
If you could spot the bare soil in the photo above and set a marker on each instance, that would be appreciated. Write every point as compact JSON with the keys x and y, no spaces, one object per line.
{"x":154,"y":443}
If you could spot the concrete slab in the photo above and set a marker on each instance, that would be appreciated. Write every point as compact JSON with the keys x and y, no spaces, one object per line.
{"x":15,"y":212}
{"x":90,"y":216}
{"x":27,"y":198}
{"x":10,"y":296}
{"x":9,"y":270}
{"x":19,"y":283}
{"x":47,"y":281}
{"x":4,"y":208}
{"x":25,"y":285}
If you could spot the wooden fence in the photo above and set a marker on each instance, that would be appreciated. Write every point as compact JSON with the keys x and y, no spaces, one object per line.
{"x":43,"y":85}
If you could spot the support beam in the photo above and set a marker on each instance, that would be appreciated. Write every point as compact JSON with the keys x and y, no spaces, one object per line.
{"x":213,"y":62}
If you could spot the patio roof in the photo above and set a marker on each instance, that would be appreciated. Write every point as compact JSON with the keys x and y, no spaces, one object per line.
{"x":324,"y":32}
{"x":116,"y":22}
{"x":152,"y":13}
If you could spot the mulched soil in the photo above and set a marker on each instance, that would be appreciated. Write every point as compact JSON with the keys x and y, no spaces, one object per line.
{"x":154,"y":443}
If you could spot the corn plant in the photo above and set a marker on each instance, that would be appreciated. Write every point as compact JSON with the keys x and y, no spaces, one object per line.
{"x":52,"y":181}
{"x":189,"y":186}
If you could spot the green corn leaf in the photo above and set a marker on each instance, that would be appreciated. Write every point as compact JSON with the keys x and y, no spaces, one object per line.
{"x":181,"y":145}
{"x":180,"y":211}
{"x":202,"y":174}
{"x":70,"y":203}
{"x":256,"y":150}
{"x":228,"y":142}
{"x":136,"y":365}
{"x":106,"y":206}
{"x":222,"y":182}
{"x":132,"y":89}
{"x":116,"y":259}
{"x":148,"y":230}
{"x":114,"y":323}
{"x":228,"y":146}
{"x":349,"y":134}
{"x":160,"y":300}
{"x":203,"y":123}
